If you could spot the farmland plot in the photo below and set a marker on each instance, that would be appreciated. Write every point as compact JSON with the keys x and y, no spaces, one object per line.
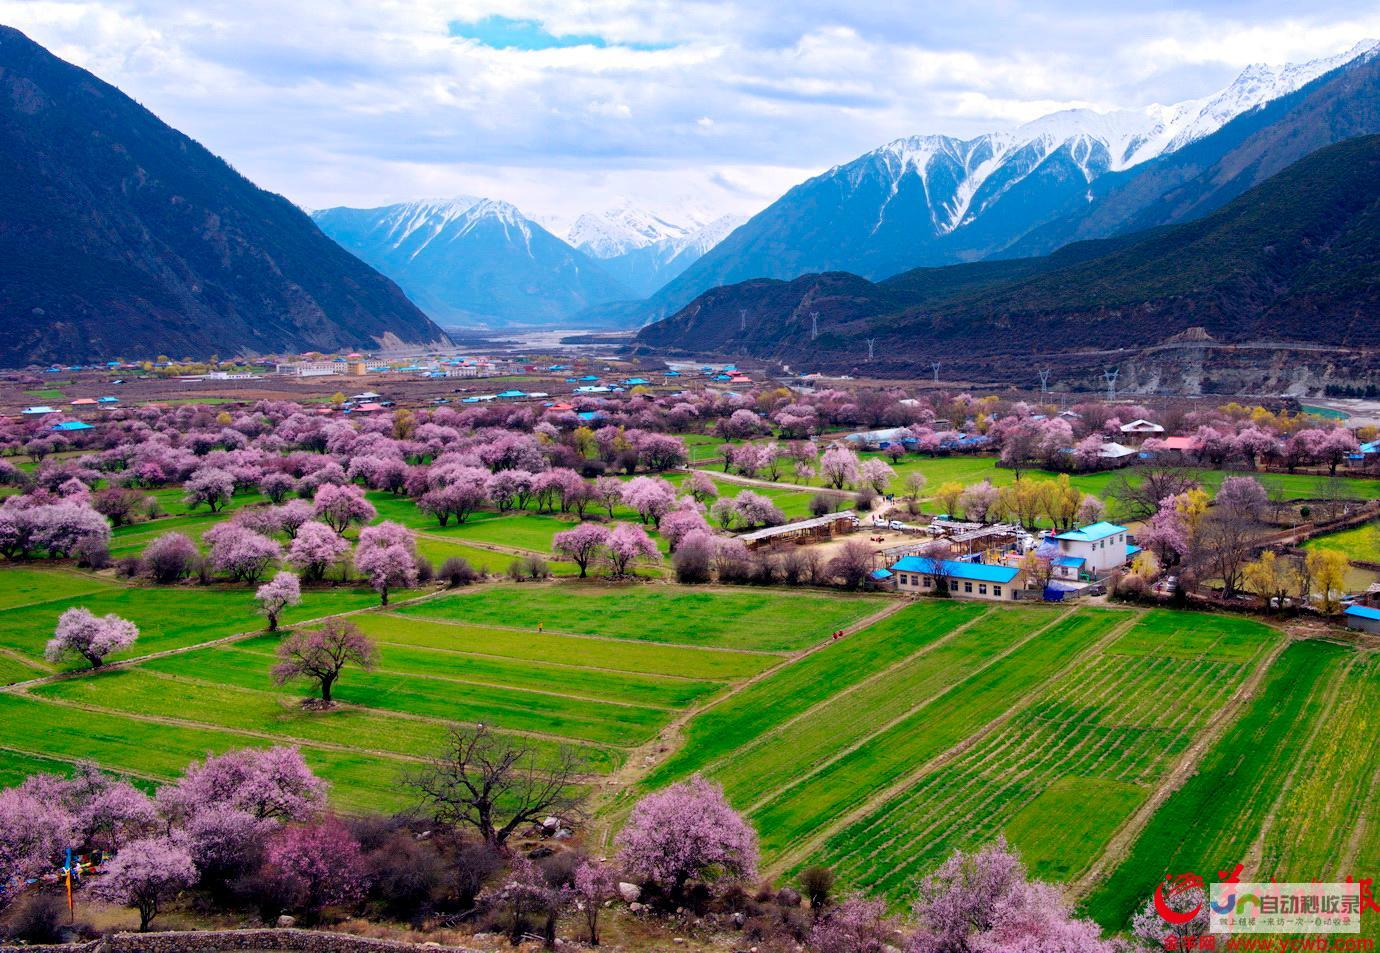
{"x":1104,"y":721}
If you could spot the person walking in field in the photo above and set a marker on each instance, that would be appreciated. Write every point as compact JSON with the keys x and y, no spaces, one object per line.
{"x":539,"y":628}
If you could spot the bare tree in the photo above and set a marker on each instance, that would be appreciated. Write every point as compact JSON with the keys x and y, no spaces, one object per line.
{"x":1138,"y":491}
{"x":1223,"y":546}
{"x":495,"y":784}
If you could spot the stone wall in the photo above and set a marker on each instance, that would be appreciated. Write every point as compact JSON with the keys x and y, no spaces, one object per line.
{"x":218,"y":941}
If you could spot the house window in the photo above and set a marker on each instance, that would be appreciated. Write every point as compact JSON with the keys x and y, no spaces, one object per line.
{"x":996,"y":591}
{"x":929,"y":581}
{"x":967,"y":587}
{"x":953,"y":585}
{"x":982,"y":588}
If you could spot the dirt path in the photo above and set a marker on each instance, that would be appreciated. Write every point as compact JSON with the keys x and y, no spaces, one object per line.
{"x":816,"y":840}
{"x":1125,"y":837}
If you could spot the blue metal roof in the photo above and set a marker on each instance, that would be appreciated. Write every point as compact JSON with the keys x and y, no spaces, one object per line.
{"x":72,"y":425}
{"x":1071,"y":562}
{"x":980,"y":572}
{"x":1363,"y":612}
{"x":1092,"y":533}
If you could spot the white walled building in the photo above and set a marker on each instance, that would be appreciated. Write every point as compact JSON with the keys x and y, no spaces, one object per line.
{"x":1093,"y":550}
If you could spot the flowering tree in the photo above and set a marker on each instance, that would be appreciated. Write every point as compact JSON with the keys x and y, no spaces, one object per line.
{"x":169,"y":557}
{"x":582,"y":544}
{"x":144,"y":874}
{"x":211,"y":486}
{"x":679,"y":523}
{"x":839,"y":467}
{"x":292,"y":516}
{"x":626,"y":544}
{"x":856,"y":925}
{"x":341,"y":506}
{"x":754,"y":509}
{"x":701,"y":487}
{"x":320,"y":655}
{"x":276,"y":486}
{"x":608,"y":493}
{"x":265,"y":783}
{"x":977,"y":501}
{"x":661,"y":451}
{"x":387,"y":568}
{"x":1157,"y":932}
{"x":239,"y":552}
{"x":877,"y":474}
{"x":316,"y":549}
{"x":1242,"y":495}
{"x":1090,"y":510}
{"x":455,"y":499}
{"x":34,"y":830}
{"x":983,"y":903}
{"x":277,"y":594}
{"x":79,"y":632}
{"x":312,"y":866}
{"x":590,"y":885}
{"x":650,"y":497}
{"x":687,"y":831}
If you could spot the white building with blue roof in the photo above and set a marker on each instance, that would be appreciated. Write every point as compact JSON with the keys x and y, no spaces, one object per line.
{"x":920,"y":575}
{"x":1092,"y":550}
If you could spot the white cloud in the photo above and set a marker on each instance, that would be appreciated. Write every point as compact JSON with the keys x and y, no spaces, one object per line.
{"x":726,"y":103}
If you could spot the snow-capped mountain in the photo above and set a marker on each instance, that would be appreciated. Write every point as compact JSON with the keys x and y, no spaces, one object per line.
{"x":468,"y":260}
{"x":935,"y":200}
{"x":645,"y":250}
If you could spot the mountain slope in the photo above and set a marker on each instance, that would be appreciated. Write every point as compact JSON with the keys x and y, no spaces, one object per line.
{"x":1294,"y":259}
{"x":474,"y":261}
{"x":935,"y":200}
{"x":1208,"y":173}
{"x":121,"y":236}
{"x":643,"y":250}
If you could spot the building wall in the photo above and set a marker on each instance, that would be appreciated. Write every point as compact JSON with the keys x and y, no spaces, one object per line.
{"x":1102,"y":556}
{"x":920,"y":584}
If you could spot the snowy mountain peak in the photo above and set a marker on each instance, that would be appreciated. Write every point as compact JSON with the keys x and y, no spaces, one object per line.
{"x":619,"y":230}
{"x":961,"y":178}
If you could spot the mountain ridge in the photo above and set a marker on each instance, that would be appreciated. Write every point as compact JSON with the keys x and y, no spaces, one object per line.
{"x":1291,"y":259}
{"x":121,"y":236}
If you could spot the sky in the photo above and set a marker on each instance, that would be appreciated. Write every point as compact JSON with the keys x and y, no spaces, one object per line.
{"x":566,"y":106}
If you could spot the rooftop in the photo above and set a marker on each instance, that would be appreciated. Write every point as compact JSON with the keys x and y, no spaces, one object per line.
{"x":1092,"y":533}
{"x":1362,"y":612}
{"x":979,"y":572}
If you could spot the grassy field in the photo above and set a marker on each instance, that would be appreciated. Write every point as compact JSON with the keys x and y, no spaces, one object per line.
{"x":1102,"y":721}
{"x":756,"y":620}
{"x":1360,"y":543}
{"x":938,"y":725}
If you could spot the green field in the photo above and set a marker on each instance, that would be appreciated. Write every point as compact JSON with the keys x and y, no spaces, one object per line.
{"x":758,"y":620}
{"x":1359,"y":544}
{"x":938,"y":724}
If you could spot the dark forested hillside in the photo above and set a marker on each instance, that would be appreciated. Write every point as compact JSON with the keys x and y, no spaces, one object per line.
{"x":1297,"y":258}
{"x":121,"y":236}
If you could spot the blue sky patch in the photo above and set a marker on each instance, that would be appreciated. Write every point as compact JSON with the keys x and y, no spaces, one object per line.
{"x":506,"y":33}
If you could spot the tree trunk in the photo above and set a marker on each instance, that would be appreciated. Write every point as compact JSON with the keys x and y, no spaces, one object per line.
{"x":273,"y":622}
{"x":383,"y":596}
{"x":326,"y":690}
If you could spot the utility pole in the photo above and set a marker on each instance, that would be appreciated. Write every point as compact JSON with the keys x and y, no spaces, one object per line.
{"x":1110,"y":375}
{"x":814,"y":325}
{"x":1044,"y":381}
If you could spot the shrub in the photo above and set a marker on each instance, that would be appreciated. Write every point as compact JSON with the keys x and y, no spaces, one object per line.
{"x":92,"y":552}
{"x":170,"y":557}
{"x":457,"y":571}
{"x":425,"y":571}
{"x":818,"y":884}
{"x":127,"y":567}
{"x":865,"y":499}
{"x":37,"y":918}
{"x":822,"y":503}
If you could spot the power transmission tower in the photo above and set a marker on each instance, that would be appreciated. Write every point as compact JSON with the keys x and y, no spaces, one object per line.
{"x":935,"y":365}
{"x":871,"y":343}
{"x":814,"y":325}
{"x":742,"y":319}
{"x":1110,"y":375}
{"x":1044,"y":381}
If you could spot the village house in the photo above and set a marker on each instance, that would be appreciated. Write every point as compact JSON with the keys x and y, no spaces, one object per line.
{"x":1363,"y":618}
{"x":1093,"y":550}
{"x":1140,"y":427}
{"x":920,"y":575}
